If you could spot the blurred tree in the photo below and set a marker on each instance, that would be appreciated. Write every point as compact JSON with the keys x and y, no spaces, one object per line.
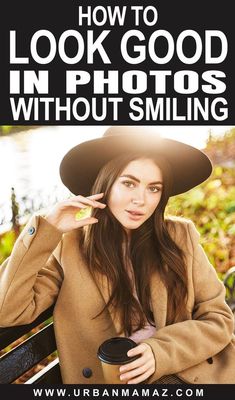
{"x":15,"y":213}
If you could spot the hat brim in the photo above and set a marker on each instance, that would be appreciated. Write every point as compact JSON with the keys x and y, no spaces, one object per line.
{"x":81,"y":165}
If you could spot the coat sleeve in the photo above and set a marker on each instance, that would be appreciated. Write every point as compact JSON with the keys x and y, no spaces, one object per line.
{"x":31,"y":277}
{"x":184,"y":344}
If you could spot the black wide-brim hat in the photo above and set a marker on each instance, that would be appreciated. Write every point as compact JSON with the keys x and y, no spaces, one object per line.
{"x":81,"y":165}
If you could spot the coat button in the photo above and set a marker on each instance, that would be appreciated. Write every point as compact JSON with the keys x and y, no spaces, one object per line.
{"x":210,"y":360}
{"x":87,"y":372}
{"x":31,"y":230}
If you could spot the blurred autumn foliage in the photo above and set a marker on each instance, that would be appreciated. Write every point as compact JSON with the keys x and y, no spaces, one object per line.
{"x":211,"y":205}
{"x":222,"y":150}
{"x":8,"y":129}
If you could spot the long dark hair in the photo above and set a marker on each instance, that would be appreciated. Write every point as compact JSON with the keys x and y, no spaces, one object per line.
{"x":104,"y":247}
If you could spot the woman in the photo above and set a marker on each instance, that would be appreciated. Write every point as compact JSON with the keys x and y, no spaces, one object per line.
{"x":125,"y":270}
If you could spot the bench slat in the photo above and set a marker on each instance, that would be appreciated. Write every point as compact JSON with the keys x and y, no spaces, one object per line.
{"x":9,"y":335}
{"x":27,"y":354}
{"x":48,"y":375}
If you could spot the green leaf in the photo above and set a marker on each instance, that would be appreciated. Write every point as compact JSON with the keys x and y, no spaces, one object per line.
{"x":83,"y":213}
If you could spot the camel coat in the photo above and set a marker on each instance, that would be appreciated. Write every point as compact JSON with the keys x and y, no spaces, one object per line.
{"x":46,"y":266}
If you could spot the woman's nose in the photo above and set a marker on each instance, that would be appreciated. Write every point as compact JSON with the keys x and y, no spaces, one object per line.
{"x":138,"y":196}
{"x":138,"y":202}
{"x":138,"y":199}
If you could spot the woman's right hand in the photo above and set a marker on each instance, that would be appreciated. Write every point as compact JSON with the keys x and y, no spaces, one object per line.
{"x":63,"y":214}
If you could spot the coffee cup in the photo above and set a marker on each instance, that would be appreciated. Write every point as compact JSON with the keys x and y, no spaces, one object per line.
{"x":113,"y":353}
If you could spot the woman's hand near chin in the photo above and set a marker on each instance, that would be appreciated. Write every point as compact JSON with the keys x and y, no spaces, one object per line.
{"x":65,"y":215}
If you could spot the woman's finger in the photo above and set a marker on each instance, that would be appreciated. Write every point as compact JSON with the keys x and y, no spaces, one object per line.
{"x":132,"y":365}
{"x":134,"y":372}
{"x":141,"y":348}
{"x":96,"y":196}
{"x":140,"y":378}
{"x":74,"y":204}
{"x":93,"y":196}
{"x":86,"y":200}
{"x":140,"y":369}
{"x":86,"y":221}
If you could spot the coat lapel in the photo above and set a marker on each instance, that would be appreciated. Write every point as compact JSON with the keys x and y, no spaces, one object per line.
{"x":158,"y":295}
{"x":103,"y":285}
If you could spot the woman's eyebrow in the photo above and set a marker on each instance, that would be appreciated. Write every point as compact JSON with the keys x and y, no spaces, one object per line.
{"x":137,"y":180}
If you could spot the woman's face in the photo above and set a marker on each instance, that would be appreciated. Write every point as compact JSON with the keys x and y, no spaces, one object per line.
{"x":136,"y":193}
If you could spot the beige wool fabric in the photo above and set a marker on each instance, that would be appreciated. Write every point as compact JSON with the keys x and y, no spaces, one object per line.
{"x":46,"y":266}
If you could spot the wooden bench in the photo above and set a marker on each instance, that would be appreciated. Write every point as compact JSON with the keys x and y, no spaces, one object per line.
{"x":34,"y":349}
{"x":30,"y":352}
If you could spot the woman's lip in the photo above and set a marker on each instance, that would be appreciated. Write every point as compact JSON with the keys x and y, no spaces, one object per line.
{"x":132,"y":212}
{"x":134,"y":215}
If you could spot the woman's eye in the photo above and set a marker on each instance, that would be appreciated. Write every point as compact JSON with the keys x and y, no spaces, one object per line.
{"x":154,"y":189}
{"x":128,"y":184}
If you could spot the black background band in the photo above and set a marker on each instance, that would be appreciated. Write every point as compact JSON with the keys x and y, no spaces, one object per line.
{"x":27,"y":17}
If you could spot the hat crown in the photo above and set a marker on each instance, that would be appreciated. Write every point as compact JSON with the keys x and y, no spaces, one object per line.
{"x":128,"y":131}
